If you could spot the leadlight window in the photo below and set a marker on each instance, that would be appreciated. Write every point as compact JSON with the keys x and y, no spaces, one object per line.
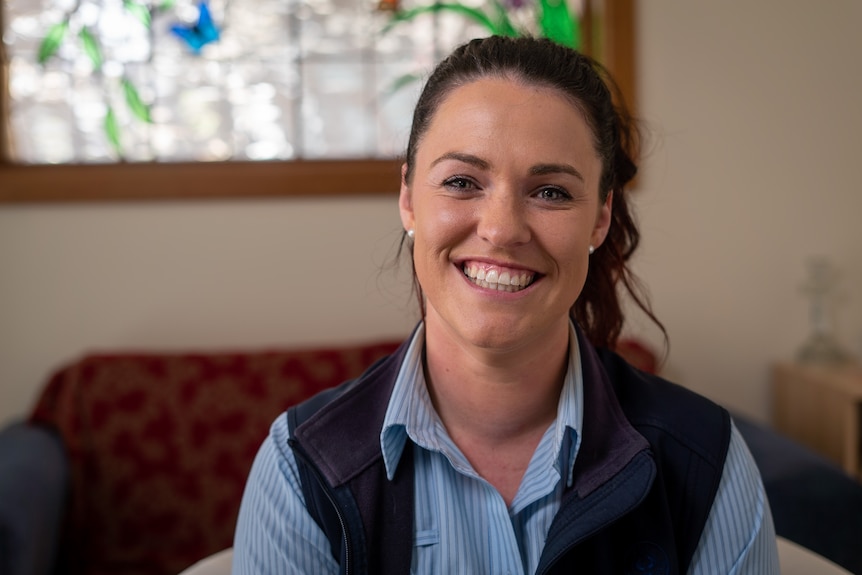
{"x":108,"y":80}
{"x":306,"y":82}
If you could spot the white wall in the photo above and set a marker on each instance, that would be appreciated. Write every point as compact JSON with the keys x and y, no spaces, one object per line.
{"x":755,"y":113}
{"x":202,"y":275}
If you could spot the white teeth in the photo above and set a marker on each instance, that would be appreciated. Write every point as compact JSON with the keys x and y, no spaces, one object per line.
{"x":509,"y":281}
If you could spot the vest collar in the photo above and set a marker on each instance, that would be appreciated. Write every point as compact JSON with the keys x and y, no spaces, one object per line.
{"x":343,"y":438}
{"x":609,"y":441}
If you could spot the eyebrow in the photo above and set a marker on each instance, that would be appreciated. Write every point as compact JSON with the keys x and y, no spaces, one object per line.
{"x":537,"y":170}
{"x":542,"y":169}
{"x":460,"y":157}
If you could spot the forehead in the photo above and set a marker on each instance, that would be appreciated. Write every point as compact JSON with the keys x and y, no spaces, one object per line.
{"x":510,"y":112}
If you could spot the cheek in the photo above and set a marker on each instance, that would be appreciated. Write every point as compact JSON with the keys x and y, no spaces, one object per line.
{"x":442,"y":224}
{"x":569,"y":250}
{"x":578,"y":262}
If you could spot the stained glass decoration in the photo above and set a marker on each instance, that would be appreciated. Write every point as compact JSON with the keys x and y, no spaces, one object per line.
{"x":199,"y":34}
{"x":99,"y":81}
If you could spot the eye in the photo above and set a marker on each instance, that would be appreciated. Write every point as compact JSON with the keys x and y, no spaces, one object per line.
{"x":459,"y":183}
{"x":553,"y":194}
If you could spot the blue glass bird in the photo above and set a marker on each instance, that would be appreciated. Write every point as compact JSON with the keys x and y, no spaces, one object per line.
{"x":199,"y":34}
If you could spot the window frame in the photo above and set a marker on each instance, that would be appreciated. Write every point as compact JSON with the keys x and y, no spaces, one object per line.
{"x":295,"y":178}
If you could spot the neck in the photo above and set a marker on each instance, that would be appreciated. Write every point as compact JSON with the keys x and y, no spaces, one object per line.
{"x":495,"y":396}
{"x":496,"y":404}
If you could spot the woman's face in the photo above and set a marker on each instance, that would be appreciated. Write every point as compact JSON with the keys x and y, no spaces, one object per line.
{"x":504,"y":202}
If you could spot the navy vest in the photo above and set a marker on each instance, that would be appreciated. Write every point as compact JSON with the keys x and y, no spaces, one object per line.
{"x":645,"y":476}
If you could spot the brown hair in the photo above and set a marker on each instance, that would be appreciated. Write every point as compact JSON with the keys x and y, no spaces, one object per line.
{"x":590,"y":87}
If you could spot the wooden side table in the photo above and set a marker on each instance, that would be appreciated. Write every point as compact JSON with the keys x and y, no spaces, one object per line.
{"x":821,"y":407}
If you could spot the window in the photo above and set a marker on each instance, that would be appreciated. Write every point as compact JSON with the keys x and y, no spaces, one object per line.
{"x":295,"y":97}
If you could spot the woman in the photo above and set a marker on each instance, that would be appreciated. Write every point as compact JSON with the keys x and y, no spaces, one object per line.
{"x":501,"y":438}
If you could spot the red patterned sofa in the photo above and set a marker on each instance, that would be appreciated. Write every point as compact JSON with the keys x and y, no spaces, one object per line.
{"x":157,"y":448}
{"x":134,"y":464}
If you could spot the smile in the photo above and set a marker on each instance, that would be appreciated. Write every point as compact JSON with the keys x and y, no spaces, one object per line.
{"x":496,"y":277}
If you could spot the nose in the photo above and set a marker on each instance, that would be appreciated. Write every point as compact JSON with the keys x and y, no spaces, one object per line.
{"x":502,"y":220}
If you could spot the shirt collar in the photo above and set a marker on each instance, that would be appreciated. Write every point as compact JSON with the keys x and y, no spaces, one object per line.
{"x":410,"y":412}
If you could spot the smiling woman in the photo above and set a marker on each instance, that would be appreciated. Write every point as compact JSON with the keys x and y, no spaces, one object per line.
{"x":253,"y":161}
{"x":475,"y":201}
{"x":503,"y":435}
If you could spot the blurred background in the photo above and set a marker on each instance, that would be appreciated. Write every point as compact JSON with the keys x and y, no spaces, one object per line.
{"x":753,"y":121}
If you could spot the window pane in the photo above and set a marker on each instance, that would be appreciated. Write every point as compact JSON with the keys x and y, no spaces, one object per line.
{"x":156,"y":80}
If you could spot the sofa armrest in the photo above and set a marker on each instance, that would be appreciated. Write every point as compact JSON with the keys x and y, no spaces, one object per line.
{"x":813,"y":502}
{"x":34,"y":475}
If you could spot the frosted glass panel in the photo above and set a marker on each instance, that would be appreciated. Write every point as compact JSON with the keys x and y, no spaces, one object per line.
{"x":337,"y":110}
{"x":179,"y":80}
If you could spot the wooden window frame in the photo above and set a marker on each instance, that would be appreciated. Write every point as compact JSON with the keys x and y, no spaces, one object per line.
{"x":163,"y":180}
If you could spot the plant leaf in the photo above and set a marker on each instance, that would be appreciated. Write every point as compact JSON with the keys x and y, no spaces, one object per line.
{"x":136,"y":105}
{"x":91,"y":47}
{"x":557,"y":23}
{"x":112,"y":130}
{"x":139,"y":11}
{"x":476,"y":15}
{"x":51,"y":43}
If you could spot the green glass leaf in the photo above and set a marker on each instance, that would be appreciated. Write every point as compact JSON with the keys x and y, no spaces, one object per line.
{"x":472,"y":13}
{"x":91,"y":47}
{"x":139,"y":11}
{"x":167,"y":4}
{"x":112,"y":130}
{"x":136,"y":105}
{"x":557,"y":23}
{"x":504,"y":23}
{"x":51,"y":43}
{"x":401,"y":81}
{"x":576,"y":32}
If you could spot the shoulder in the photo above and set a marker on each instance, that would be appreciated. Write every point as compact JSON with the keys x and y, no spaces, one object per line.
{"x":662,"y":410}
{"x":273,"y":511}
{"x":689,"y":437}
{"x":338,"y":431}
{"x":355,"y":395}
{"x":739,"y":536}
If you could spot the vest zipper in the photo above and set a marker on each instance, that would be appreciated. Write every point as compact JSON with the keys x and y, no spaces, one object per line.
{"x":345,"y":537}
{"x":607,"y":523}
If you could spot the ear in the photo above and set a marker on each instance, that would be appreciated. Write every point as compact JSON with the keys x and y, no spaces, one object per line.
{"x":603,"y":221}
{"x":405,"y":202}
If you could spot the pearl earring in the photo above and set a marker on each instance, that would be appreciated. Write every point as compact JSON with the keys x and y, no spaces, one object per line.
{"x":592,"y":250}
{"x":410,"y":233}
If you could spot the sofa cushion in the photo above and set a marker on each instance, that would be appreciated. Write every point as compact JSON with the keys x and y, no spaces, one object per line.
{"x":160,"y":446}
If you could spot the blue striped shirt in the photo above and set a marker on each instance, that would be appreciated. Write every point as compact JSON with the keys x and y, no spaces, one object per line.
{"x":462,"y":524}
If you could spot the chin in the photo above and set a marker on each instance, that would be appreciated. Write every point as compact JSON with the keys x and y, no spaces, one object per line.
{"x":497,"y":336}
